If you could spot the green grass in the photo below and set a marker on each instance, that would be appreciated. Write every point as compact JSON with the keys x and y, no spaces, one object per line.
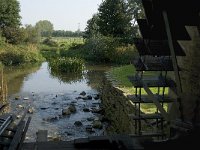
{"x":120,"y":75}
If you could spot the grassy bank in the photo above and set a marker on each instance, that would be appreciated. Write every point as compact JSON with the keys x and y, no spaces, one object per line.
{"x":120,"y":75}
{"x":19,"y":54}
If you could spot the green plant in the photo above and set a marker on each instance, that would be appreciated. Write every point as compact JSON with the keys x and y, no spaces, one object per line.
{"x":66,"y":64}
{"x":50,"y":42}
{"x":21,"y":54}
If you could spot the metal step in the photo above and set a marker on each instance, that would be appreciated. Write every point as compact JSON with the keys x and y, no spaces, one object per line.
{"x":145,"y":99}
{"x":146,"y":116}
{"x":151,"y":82}
{"x":154,"y":64}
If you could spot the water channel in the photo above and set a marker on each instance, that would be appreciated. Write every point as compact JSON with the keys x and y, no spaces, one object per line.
{"x":48,"y":94}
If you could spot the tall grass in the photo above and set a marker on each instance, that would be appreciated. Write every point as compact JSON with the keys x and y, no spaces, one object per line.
{"x":67,"y":65}
{"x":19,"y":54}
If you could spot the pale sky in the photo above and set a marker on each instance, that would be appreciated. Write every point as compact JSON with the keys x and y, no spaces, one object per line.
{"x":64,"y":14}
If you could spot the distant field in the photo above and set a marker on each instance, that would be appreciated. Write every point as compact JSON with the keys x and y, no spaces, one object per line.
{"x":67,"y":40}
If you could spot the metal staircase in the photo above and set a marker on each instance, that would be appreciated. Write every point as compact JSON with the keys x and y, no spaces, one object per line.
{"x":158,"y":49}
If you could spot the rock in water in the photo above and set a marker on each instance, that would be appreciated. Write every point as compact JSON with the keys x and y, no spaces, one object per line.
{"x":72,"y":108}
{"x":89,"y":97}
{"x":97,"y":124}
{"x":17,"y":97}
{"x":66,"y":111}
{"x":78,"y":123}
{"x":83,"y":93}
{"x":86,"y":109}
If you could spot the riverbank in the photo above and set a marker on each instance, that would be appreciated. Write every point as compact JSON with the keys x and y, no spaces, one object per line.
{"x":119,"y":79}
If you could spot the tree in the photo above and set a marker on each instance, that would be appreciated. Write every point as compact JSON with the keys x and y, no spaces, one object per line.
{"x":9,"y":14}
{"x":10,"y":21}
{"x":13,"y":35}
{"x":31,"y":34}
{"x":44,"y":27}
{"x":114,"y":19}
{"x":92,"y":29}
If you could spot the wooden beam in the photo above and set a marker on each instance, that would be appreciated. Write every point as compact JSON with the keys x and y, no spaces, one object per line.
{"x":156,"y":102}
{"x":17,"y":137}
{"x":174,"y":61}
{"x":24,"y":133}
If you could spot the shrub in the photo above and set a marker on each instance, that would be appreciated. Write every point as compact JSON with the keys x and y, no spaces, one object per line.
{"x":103,"y":50}
{"x":67,"y":64}
{"x":50,"y":42}
{"x":15,"y":55}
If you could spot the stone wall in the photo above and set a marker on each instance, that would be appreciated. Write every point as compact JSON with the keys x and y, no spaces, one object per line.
{"x":116,"y":109}
{"x":190,"y":76}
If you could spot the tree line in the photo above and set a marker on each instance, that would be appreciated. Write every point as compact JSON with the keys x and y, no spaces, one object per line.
{"x":13,"y":33}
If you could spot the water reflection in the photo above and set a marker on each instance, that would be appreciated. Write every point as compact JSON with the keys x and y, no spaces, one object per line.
{"x":49,"y":93}
{"x":15,"y":76}
{"x":66,"y":77}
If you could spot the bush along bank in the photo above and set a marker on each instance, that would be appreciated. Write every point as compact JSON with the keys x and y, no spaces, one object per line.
{"x":19,"y":54}
{"x":102,"y":50}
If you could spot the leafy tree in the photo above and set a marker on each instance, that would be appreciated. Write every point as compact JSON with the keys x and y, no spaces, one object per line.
{"x":44,"y":27}
{"x":114,"y":19}
{"x":10,"y":21}
{"x":9,"y":13}
{"x":92,"y":29}
{"x":31,"y":34}
{"x":13,"y":35}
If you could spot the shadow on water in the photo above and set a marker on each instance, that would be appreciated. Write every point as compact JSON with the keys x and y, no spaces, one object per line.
{"x":49,"y":93}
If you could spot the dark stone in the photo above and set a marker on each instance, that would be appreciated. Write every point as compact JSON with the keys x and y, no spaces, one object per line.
{"x":68,"y":133}
{"x":97,"y":124}
{"x":96,"y":97}
{"x":86,"y":109}
{"x":51,"y":119}
{"x":89,"y":97}
{"x":78,"y":123}
{"x":90,"y":119}
{"x":83,"y":93}
{"x":44,"y":108}
{"x":88,"y":128}
{"x":72,"y":108}
{"x":17,"y":98}
{"x":54,"y":103}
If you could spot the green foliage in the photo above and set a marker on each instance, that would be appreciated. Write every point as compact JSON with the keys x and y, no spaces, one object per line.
{"x":114,"y":19}
{"x":10,"y":20}
{"x":67,"y":64}
{"x":62,"y":33}
{"x":44,"y":27}
{"x":16,"y":55}
{"x":13,"y":35}
{"x":92,"y":29}
{"x":50,"y":42}
{"x":31,"y":34}
{"x":102,"y":50}
{"x":9,"y":13}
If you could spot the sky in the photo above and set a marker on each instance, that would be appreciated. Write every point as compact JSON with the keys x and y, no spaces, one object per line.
{"x":63,"y":14}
